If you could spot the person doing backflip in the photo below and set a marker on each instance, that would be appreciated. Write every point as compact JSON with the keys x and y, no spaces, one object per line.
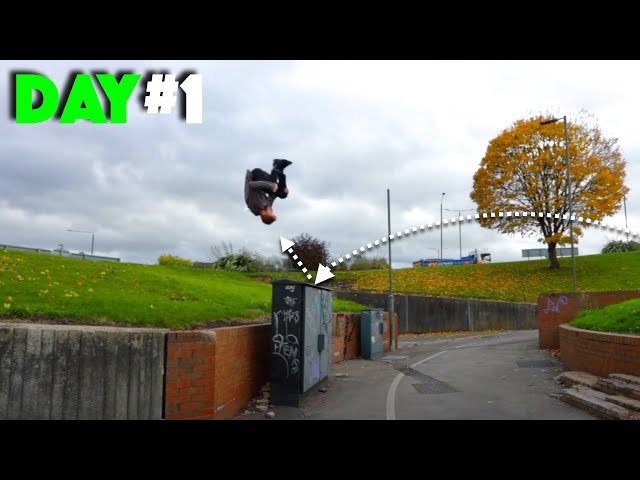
{"x":262,"y":188}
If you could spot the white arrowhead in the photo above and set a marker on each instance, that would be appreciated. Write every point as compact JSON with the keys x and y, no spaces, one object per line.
{"x":324,"y":274}
{"x":285,"y":244}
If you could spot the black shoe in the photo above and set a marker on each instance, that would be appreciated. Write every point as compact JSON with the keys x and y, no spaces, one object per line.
{"x":281,"y":163}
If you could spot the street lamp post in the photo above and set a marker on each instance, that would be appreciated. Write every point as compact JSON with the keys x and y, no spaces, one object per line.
{"x":626,"y":226}
{"x":441,"y":199}
{"x":82,"y":231}
{"x":570,"y":200}
{"x":460,"y":223}
{"x":392,"y":339}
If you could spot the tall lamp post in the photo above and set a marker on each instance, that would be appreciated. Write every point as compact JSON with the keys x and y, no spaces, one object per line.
{"x":392,"y":339}
{"x":626,"y":226}
{"x":82,"y":231}
{"x":460,"y":223}
{"x":441,"y":199}
{"x":569,"y":199}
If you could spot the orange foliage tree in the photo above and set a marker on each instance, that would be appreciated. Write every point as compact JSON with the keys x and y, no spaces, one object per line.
{"x":524,"y":169}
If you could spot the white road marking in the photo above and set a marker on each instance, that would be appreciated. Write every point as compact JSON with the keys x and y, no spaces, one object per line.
{"x":391,"y":394}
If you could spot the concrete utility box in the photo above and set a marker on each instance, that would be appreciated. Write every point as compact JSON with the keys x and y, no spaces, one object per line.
{"x":300,"y":339}
{"x":372,"y":330}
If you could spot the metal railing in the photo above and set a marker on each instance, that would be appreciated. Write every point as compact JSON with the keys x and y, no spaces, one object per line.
{"x":60,"y":252}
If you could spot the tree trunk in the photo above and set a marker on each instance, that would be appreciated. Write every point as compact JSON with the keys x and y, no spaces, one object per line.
{"x":553,"y":258}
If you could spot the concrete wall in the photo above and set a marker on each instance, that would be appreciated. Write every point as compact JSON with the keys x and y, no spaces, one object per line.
{"x":558,"y":308}
{"x":62,"y":372}
{"x":599,"y":353}
{"x":83,"y":372}
{"x":424,"y":314}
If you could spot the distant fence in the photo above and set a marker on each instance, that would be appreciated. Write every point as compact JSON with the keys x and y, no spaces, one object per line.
{"x":424,"y":314}
{"x":543,"y":252}
{"x":60,"y":252}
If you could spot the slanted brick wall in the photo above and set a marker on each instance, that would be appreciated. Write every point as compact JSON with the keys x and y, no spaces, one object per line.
{"x":212,"y":374}
{"x":599,"y":353}
{"x":556,"y":309}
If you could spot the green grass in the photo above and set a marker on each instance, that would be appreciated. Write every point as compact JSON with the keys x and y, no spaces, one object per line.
{"x":521,"y":281}
{"x":621,"y":317}
{"x":51,"y":288}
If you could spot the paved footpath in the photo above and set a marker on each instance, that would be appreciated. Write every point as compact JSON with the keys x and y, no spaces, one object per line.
{"x":471,"y":376}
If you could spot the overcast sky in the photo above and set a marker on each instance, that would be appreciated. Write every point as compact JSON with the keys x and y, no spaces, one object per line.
{"x":353,"y":129}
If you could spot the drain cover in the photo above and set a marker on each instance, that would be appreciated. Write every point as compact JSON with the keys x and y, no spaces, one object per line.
{"x":427,"y":384}
{"x":410,"y":372}
{"x":435,"y":387}
{"x":536,"y":363}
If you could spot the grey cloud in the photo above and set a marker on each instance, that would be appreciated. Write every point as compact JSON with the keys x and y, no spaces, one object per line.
{"x":158,"y":185}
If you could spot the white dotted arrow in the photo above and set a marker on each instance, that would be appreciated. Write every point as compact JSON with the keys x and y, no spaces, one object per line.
{"x":324,"y":273}
{"x":287,"y":245}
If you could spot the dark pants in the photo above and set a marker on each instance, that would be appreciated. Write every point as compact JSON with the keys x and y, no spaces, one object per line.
{"x":276,"y":176}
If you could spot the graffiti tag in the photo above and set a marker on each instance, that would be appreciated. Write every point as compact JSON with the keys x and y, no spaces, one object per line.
{"x":286,"y":347}
{"x":285,"y":344}
{"x":555,"y":307}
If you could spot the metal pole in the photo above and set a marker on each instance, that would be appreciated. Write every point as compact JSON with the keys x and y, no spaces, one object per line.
{"x":573,"y":256}
{"x":626,"y":227}
{"x":84,"y":231}
{"x":459,"y":224}
{"x":391,"y":312}
{"x":441,"y":199}
{"x":460,"y":233}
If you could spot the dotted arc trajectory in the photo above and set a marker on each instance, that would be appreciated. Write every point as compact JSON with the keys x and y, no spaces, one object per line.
{"x":326,"y":272}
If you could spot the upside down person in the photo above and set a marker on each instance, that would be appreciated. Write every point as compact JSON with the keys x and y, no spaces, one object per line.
{"x":262,"y":188}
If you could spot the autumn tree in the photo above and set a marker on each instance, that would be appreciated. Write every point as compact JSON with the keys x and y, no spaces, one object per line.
{"x":524,"y":169}
{"x":310,"y":251}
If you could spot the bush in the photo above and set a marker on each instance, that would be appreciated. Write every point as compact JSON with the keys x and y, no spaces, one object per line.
{"x":225,"y":258}
{"x":364,"y":263}
{"x":620,"y":246}
{"x":173,"y":261}
{"x":237,"y":262}
{"x":310,"y":250}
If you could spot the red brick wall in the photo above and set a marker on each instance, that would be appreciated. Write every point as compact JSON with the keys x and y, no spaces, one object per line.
{"x":386,"y":336}
{"x":556,"y":309}
{"x":190,"y":375}
{"x":599,"y":353}
{"x":346,"y":335}
{"x":212,"y":374}
{"x":351,"y":335}
{"x":337,"y":349}
{"x":243,"y":363}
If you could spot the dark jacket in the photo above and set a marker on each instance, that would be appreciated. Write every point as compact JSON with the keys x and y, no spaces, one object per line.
{"x":258,"y":194}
